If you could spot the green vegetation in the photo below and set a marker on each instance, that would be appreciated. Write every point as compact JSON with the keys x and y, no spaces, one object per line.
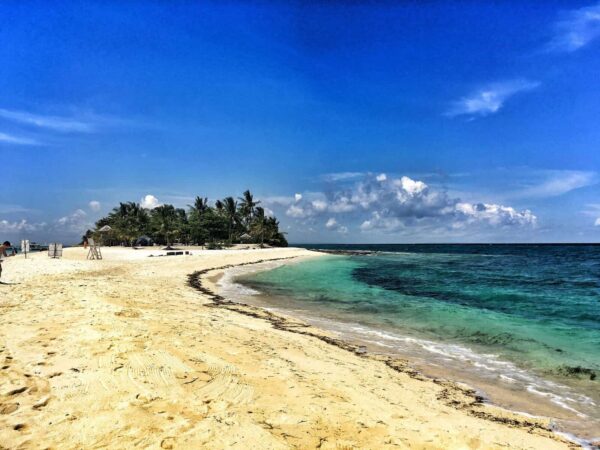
{"x":227,"y":222}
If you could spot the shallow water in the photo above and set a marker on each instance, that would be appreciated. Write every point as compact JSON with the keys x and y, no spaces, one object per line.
{"x":518,"y":322}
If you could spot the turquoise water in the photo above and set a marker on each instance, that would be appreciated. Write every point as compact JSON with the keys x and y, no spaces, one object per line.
{"x":521,"y":316}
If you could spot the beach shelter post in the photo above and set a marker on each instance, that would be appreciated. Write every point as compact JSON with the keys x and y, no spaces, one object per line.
{"x":25,"y":247}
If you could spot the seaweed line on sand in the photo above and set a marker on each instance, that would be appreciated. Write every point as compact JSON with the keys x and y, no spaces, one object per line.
{"x":454,"y":395}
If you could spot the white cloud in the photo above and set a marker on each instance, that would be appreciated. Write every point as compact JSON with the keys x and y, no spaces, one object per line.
{"x":333,"y":225}
{"x":490,"y":99}
{"x":411,"y":186}
{"x":95,"y":205}
{"x":578,"y":28}
{"x":62,"y":124}
{"x":278,"y":200}
{"x":597,"y":222}
{"x":149,"y":201}
{"x":341,"y":176}
{"x":558,"y":182}
{"x":10,"y":139}
{"x":319,"y":205}
{"x":592,"y":210}
{"x":297,"y":197}
{"x":378,"y":222}
{"x":19,"y":226}
{"x":76,"y":222}
{"x":297,"y":212}
{"x":496,"y":215}
{"x":396,"y":204}
{"x":9,"y":208}
{"x":381,"y":177}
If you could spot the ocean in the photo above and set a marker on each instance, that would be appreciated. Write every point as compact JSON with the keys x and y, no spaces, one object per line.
{"x":520,"y":323}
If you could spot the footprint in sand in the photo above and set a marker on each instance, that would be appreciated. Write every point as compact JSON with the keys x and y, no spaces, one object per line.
{"x":19,"y":390}
{"x":8,"y":408}
{"x":129,"y":313}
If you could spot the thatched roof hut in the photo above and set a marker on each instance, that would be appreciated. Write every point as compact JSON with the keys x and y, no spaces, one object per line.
{"x":246,"y":238}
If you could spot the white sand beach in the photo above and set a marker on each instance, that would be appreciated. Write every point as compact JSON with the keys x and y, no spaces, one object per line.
{"x":124,"y":353}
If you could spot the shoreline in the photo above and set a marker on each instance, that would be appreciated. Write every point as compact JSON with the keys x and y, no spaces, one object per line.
{"x":457,"y":394}
{"x":121,"y":353}
{"x":526,"y":401}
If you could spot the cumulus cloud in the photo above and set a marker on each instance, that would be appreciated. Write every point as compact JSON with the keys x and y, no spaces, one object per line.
{"x":597,"y":222}
{"x":95,"y":205}
{"x":490,"y":99}
{"x":495,"y":214}
{"x":297,"y":197}
{"x":577,"y":29}
{"x":333,"y":225}
{"x":17,"y":140}
{"x":149,"y":201}
{"x":394,"y":204}
{"x":296,"y":211}
{"x":381,"y":177}
{"x":76,"y":222}
{"x":19,"y":226}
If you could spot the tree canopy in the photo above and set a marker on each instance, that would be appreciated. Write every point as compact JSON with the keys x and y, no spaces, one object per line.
{"x":201,"y":224}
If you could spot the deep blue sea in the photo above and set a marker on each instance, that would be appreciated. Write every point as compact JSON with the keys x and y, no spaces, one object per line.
{"x":519,"y":322}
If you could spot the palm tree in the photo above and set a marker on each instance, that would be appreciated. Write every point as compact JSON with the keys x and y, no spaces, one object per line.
{"x":247,"y":206}
{"x":129,"y":220}
{"x":231,"y":212}
{"x":200,"y":205}
{"x":219,"y":206}
{"x":197,"y":213}
{"x":165,"y":219}
{"x":259,"y":224}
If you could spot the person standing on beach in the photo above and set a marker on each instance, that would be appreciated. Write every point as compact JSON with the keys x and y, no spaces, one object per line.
{"x":3,"y":253}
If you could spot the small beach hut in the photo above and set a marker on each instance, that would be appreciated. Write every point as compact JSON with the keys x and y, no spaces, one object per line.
{"x":246,"y":238}
{"x":103,"y":230}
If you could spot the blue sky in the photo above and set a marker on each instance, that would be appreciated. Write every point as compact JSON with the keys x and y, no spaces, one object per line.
{"x":352,"y":121}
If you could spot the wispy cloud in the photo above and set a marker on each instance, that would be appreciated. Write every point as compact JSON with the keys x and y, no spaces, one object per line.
{"x":17,"y":140}
{"x":341,"y":176}
{"x":10,"y":208}
{"x":558,"y":182}
{"x":490,"y":99}
{"x":592,"y":210}
{"x":577,"y":29}
{"x":56,"y":123}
